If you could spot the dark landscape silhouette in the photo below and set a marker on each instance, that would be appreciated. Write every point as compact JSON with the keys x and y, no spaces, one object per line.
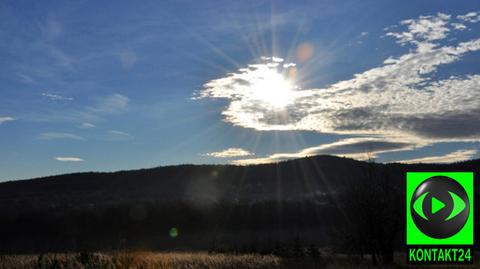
{"x":284,"y":208}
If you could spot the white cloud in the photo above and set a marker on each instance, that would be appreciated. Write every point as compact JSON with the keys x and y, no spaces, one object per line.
{"x":56,"y":97}
{"x":459,"y":26}
{"x":118,"y":132}
{"x":87,"y":125}
{"x":423,"y":29}
{"x":5,"y":119}
{"x":230,"y":153}
{"x":401,"y":100}
{"x":357,"y":148}
{"x":289,"y":65}
{"x":456,"y":156}
{"x":69,"y":159}
{"x":52,"y":136}
{"x":472,"y":17}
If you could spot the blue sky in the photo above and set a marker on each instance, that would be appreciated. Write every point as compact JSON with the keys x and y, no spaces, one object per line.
{"x":111,"y":85}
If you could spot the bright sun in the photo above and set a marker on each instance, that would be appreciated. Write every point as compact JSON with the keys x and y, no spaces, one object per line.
{"x":273,"y":89}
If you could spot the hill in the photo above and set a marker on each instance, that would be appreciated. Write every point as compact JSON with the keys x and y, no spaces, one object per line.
{"x":207,"y":203}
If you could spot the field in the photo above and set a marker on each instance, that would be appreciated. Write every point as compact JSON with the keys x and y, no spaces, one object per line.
{"x":174,"y":260}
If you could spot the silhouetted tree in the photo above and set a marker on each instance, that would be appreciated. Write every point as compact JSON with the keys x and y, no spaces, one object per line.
{"x":313,"y":252}
{"x":374,"y":214}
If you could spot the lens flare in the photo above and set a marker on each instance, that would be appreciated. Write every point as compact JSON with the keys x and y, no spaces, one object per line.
{"x":304,"y":52}
{"x":173,"y":232}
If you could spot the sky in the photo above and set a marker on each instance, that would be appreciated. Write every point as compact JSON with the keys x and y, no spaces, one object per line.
{"x":117,"y":85}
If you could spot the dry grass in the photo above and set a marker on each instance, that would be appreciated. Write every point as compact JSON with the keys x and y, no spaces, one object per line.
{"x":140,"y":260}
{"x":174,"y":260}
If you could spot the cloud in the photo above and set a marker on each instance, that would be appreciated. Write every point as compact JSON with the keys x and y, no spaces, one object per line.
{"x":357,"y":148}
{"x":128,"y":58}
{"x":113,"y":104}
{"x":118,"y":135}
{"x":230,"y":153}
{"x":61,"y":58}
{"x":403,"y":100}
{"x":423,"y":29}
{"x":117,"y":132}
{"x":69,"y":159}
{"x":5,"y":119}
{"x":101,"y":108}
{"x":456,"y":156}
{"x":253,"y":100}
{"x":53,"y":136}
{"x":26,"y":79}
{"x":56,"y":97}
{"x":86,"y":125}
{"x":459,"y":26}
{"x":472,"y":17}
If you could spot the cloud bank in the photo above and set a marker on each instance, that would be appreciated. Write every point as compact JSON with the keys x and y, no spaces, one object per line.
{"x":456,"y":156}
{"x":402,"y":101}
{"x":357,"y":148}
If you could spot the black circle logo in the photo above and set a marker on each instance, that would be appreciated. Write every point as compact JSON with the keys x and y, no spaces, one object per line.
{"x":440,"y":207}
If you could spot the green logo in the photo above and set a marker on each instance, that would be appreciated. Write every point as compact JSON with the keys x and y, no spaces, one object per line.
{"x":439,"y":208}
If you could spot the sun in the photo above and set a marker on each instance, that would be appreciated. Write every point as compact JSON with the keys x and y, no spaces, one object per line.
{"x":273,"y":89}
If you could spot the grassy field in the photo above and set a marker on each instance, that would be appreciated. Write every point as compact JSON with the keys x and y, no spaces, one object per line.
{"x":191,"y":260}
{"x":177,"y":260}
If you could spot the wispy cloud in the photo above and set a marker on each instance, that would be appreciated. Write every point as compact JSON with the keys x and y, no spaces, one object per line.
{"x":26,"y":79}
{"x":401,"y":100}
{"x":52,"y":136}
{"x":5,"y":119}
{"x":127,"y":58}
{"x":456,"y":156}
{"x":69,"y":159}
{"x":101,"y":107}
{"x":63,"y":59}
{"x":43,"y":57}
{"x":111,"y":104}
{"x":358,"y":148}
{"x":230,"y":153}
{"x":56,"y":97}
{"x":51,"y":28}
{"x":87,"y":125}
{"x":118,"y":135}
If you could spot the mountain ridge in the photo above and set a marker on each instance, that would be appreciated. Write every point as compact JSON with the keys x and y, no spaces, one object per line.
{"x":288,"y":180}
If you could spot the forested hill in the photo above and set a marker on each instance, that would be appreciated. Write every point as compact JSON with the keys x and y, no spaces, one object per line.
{"x":299,"y":179}
{"x":212,"y":206}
